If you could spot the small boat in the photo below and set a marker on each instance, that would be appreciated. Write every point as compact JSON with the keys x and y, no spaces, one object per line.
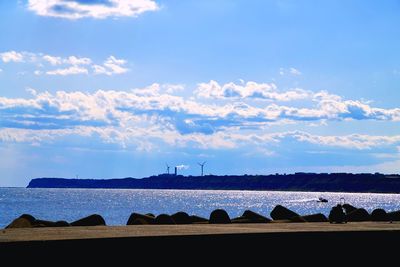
{"x":321,"y":199}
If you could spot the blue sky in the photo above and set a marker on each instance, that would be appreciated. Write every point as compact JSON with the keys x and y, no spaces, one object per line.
{"x":117,"y":88}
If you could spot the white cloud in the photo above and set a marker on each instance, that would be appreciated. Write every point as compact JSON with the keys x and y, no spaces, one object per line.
{"x":151,"y":135}
{"x":207,"y":117}
{"x":73,"y":60}
{"x":290,"y":71}
{"x":12,"y":56}
{"x":334,"y":107}
{"x":68,"y":71}
{"x":18,"y":57}
{"x":173,"y":88}
{"x":352,"y":141}
{"x":113,"y":61}
{"x":149,"y":92}
{"x":98,"y":9}
{"x":32,"y":91}
{"x":111,"y":66}
{"x":294,"y":71}
{"x":145,"y":117}
{"x":70,"y":65}
{"x":97,"y":69}
{"x":121,"y":116}
{"x":328,"y":106}
{"x":53,"y":60}
{"x":253,"y":90}
{"x":1,"y":70}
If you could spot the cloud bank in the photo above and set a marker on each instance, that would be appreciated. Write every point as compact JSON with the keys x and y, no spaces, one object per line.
{"x":157,"y":114}
{"x":97,"y":9}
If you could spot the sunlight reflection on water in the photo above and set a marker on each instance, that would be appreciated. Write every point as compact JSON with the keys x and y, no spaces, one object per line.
{"x":115,"y":205}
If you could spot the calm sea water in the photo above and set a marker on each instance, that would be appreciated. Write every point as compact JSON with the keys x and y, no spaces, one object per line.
{"x":115,"y":205}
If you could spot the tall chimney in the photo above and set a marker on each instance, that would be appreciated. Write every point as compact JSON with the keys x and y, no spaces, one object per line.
{"x":176,"y":171}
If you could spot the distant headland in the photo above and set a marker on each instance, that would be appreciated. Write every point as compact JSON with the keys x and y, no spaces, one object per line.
{"x":319,"y":182}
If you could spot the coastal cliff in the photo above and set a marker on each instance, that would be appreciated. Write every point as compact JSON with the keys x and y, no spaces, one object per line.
{"x":320,"y":182}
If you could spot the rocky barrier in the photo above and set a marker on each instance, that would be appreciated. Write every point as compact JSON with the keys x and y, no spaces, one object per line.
{"x":280,"y":214}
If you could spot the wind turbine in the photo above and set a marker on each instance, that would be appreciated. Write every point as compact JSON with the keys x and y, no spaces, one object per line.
{"x":167,"y":167}
{"x":202,"y":167}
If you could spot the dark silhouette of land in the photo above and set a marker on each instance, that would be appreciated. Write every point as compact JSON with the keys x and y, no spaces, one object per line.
{"x":319,"y":182}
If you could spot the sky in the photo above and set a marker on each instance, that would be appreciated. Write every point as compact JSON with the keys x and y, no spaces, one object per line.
{"x":120,"y":88}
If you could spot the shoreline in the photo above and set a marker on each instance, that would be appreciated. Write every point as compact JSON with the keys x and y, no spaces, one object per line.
{"x":202,"y":189}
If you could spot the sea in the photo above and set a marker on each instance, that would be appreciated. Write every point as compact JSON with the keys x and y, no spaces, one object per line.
{"x":116,"y":205}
